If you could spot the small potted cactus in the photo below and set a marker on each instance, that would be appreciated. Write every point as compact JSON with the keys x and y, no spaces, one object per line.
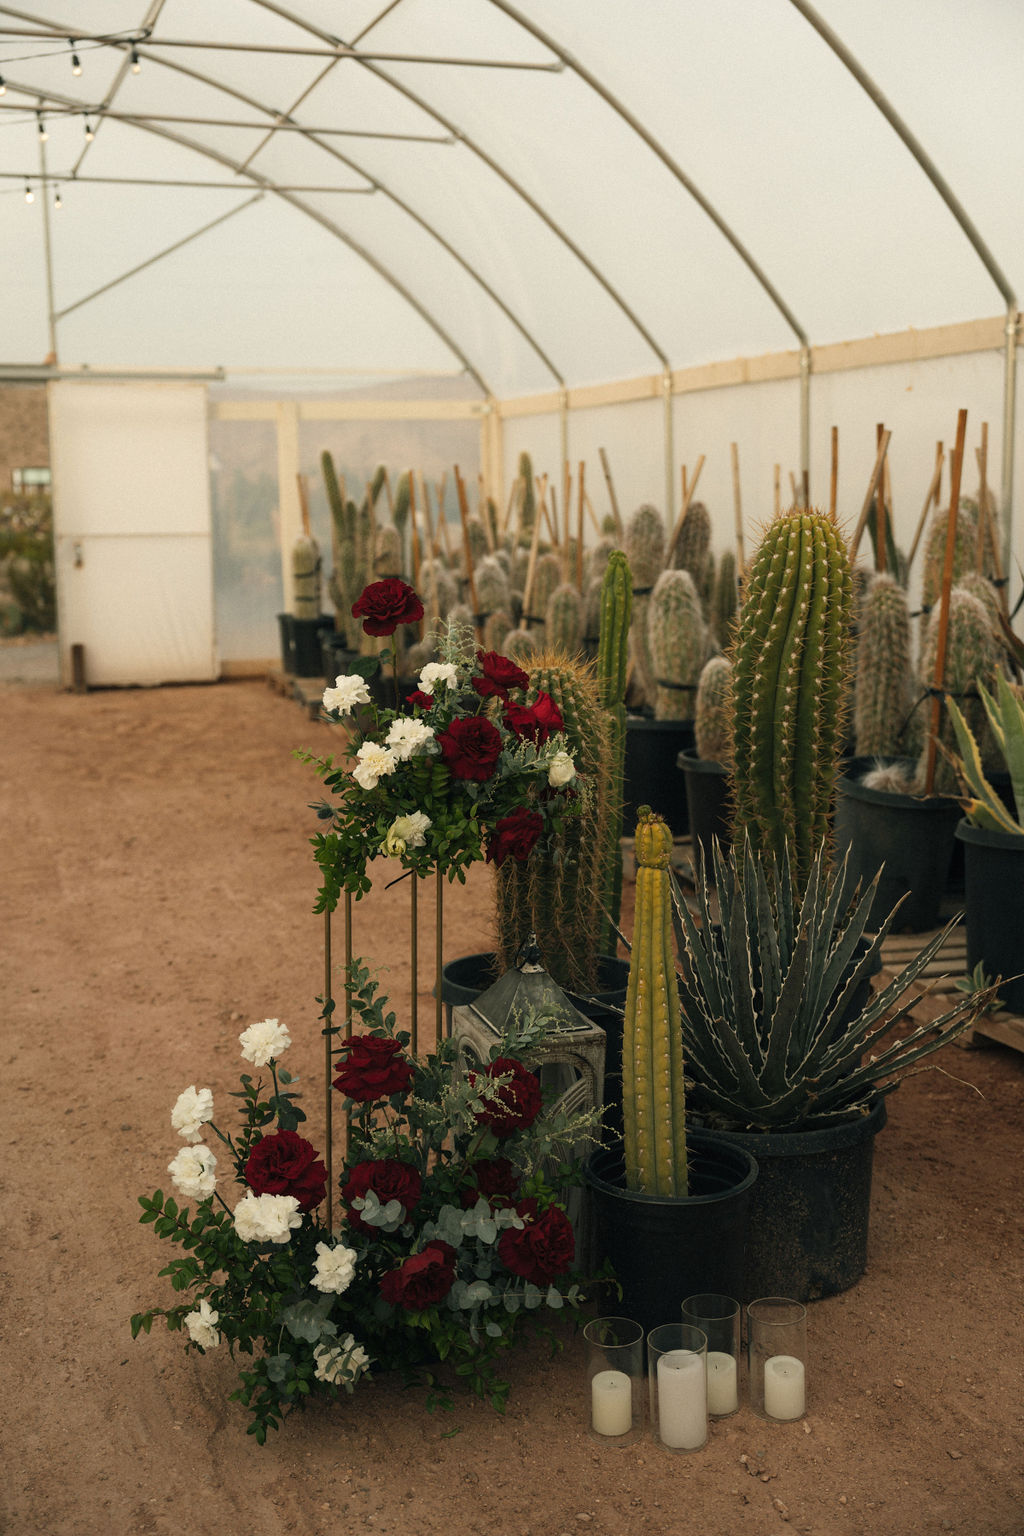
{"x":670,"y":1202}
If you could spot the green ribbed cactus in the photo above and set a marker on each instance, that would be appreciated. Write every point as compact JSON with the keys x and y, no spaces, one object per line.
{"x":363,"y":574}
{"x":712,"y":718}
{"x":496,"y":630}
{"x":653,"y":1096}
{"x":615,"y":607}
{"x":521,"y":644}
{"x":725,"y":599}
{"x":342,"y":578}
{"x":693,"y":544}
{"x":403,"y":497}
{"x":563,"y":619}
{"x":547,"y":576}
{"x":973,"y":655}
{"x":645,"y":551}
{"x":306,"y":578}
{"x":528,"y":504}
{"x":790,"y":659}
{"x":965,"y":550}
{"x":677,"y":641}
{"x":492,"y":589}
{"x":477,"y":538}
{"x":556,"y":892}
{"x":884,"y":672}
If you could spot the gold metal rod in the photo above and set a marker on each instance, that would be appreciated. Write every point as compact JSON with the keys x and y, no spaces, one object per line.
{"x":414,"y":966}
{"x":439,"y":958}
{"x":328,"y":1017}
{"x":348,"y":997}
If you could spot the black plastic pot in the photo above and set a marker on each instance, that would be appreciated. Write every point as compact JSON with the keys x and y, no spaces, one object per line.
{"x":663,"y":1250}
{"x":335,"y":655}
{"x":911,"y":837}
{"x":707,"y":801}
{"x":993,"y":891}
{"x":650,"y":775}
{"x":300,"y":643}
{"x":809,"y":1209}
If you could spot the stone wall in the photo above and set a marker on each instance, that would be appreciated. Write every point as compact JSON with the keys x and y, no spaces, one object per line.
{"x":24,"y":434}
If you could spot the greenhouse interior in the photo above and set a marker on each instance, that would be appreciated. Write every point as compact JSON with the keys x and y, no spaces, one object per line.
{"x":527,"y":419}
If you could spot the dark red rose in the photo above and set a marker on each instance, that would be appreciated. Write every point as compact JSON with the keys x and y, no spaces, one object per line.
{"x":499,"y":675}
{"x":389,"y":1179}
{"x":536,"y":721}
{"x":286,"y":1164}
{"x":517,"y":1103}
{"x":423,"y":1279}
{"x":373,"y":1068}
{"x":514,"y":834}
{"x":470,"y":748}
{"x":544,"y":1248}
{"x":383,"y":605}
{"x":492,"y":1177}
{"x":420,"y":699}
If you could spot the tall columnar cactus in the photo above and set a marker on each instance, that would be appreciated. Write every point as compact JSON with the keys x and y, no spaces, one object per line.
{"x":724,"y":601}
{"x":612,"y":666}
{"x":973,"y":656}
{"x":306,"y":578}
{"x":365,"y":549}
{"x":342,"y":578}
{"x":653,"y":1098}
{"x":965,"y":550}
{"x":563,"y":619}
{"x":556,"y":892}
{"x":677,"y":640}
{"x":645,"y":550}
{"x":546,"y":577}
{"x":477,"y":538}
{"x":437,"y":583}
{"x":884,"y":672}
{"x":496,"y":629}
{"x":790,"y":658}
{"x":387,"y":560}
{"x":521,"y":644}
{"x":528,"y":503}
{"x":492,"y":589}
{"x":712,"y":719}
{"x":693,"y":544}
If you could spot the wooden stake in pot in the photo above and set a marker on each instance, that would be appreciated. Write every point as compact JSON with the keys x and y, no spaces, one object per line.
{"x":833,"y":479}
{"x":883,"y":447}
{"x":737,"y":505}
{"x":934,"y":492}
{"x":611,"y":491}
{"x":688,"y":493}
{"x":939,"y":677}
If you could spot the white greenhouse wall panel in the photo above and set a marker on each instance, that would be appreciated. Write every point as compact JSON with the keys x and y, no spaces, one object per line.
{"x":131,"y":492}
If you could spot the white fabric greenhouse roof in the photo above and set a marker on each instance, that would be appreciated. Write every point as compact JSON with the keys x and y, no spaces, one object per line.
{"x":545,"y":193}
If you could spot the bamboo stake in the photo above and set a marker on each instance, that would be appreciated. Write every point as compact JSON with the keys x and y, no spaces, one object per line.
{"x":566,"y":499}
{"x":805,"y":487}
{"x":460,"y":487}
{"x":982,"y":457}
{"x":593,"y":515}
{"x":483,"y":513}
{"x":688,"y":492}
{"x":777,"y":487}
{"x":880,"y":560}
{"x":993,"y":550}
{"x":515,"y":498}
{"x":934,"y":492}
{"x":792,"y":489}
{"x":414,"y":989}
{"x":833,"y":479}
{"x":872,"y":486}
{"x":532,"y":562}
{"x":579,"y":526}
{"x":737,"y":504}
{"x":550,"y":519}
{"x":939,"y":676}
{"x":328,"y":1016}
{"x":442,"y":519}
{"x":304,"y":505}
{"x":609,"y":482}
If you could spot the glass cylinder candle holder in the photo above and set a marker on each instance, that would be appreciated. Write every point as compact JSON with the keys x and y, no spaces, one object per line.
{"x":719,"y":1318}
{"x":678,"y":1386}
{"x":777,"y":1358}
{"x":615,"y":1379}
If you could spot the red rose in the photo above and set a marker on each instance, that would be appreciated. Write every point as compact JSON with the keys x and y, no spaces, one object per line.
{"x":420,"y":699}
{"x":374,"y":1068}
{"x":514,"y":834}
{"x":470,"y":748}
{"x":536,"y":721}
{"x":383,"y":605}
{"x":494,"y":1178}
{"x":423,"y":1279}
{"x":517,"y":1102}
{"x":544,"y":1248}
{"x":286,"y":1164}
{"x":499,"y":675}
{"x":389,"y":1179}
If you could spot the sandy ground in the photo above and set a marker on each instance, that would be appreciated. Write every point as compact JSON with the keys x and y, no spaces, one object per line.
{"x":156,"y":897}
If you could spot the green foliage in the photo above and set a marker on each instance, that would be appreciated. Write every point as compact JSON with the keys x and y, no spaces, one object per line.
{"x":985,"y":806}
{"x":26,"y":562}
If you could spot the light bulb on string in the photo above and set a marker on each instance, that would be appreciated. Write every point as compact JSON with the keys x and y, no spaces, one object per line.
{"x":136,"y":66}
{"x":89,"y":132}
{"x":30,"y":196}
{"x":58,"y":201}
{"x":76,"y":64}
{"x":3,"y":86}
{"x":43,"y":135}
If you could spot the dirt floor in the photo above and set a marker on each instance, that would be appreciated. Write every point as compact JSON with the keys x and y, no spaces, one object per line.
{"x":155,"y":898}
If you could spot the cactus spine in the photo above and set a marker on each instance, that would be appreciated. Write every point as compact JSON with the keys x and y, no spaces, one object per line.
{"x":653,"y":1102}
{"x":645,"y":550}
{"x":790,"y":656}
{"x":563,"y":619}
{"x":881,"y":695}
{"x":677,"y":642}
{"x":712,"y":720}
{"x":612,"y":667}
{"x":556,"y":892}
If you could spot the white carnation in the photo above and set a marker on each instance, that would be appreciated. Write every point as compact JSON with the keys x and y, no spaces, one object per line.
{"x":405,"y":737}
{"x":561,"y":770}
{"x":335,"y":1268}
{"x":264,"y":1041}
{"x":202,"y":1326}
{"x":373,"y":763}
{"x":191,"y":1111}
{"x":406,"y":832}
{"x":267,"y":1218}
{"x":437,"y":672}
{"x":347,"y":692}
{"x":194,"y":1171}
{"x":342,"y":1363}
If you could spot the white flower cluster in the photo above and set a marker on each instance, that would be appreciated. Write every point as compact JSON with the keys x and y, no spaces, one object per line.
{"x":192,"y":1110}
{"x":348,"y":691}
{"x":334,"y":1269}
{"x":373,"y":762}
{"x":437,"y":672}
{"x":342,"y":1363}
{"x":406,"y":832}
{"x":202,"y":1326}
{"x":267,"y":1218}
{"x":561,"y":770}
{"x":194,"y":1171}
{"x":406,"y":737}
{"x":264,"y":1041}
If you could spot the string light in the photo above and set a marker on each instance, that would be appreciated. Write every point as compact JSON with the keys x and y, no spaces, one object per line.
{"x":30,"y":196}
{"x":3,"y":86}
{"x":43,"y":135}
{"x":89,"y":134}
{"x":136,"y":66}
{"x":58,"y":201}
{"x":76,"y":63}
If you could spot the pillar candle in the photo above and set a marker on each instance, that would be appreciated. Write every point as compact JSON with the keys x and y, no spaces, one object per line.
{"x":682,"y":1400}
{"x":723,"y":1390}
{"x":611,"y":1403}
{"x":783,"y":1387}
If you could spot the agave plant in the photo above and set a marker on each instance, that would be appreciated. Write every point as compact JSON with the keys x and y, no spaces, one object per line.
{"x":985,"y":807}
{"x":772,"y":1034}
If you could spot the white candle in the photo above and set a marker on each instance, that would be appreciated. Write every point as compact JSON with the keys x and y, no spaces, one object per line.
{"x":611,"y":1403}
{"x":682,"y":1400}
{"x":723,"y":1390}
{"x":783,"y":1387}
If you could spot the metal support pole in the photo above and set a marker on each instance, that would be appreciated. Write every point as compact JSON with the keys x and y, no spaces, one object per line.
{"x":44,"y":196}
{"x":1009,"y":428}
{"x":805,"y":425}
{"x":670,"y":452}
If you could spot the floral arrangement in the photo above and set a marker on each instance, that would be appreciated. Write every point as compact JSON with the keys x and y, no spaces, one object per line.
{"x":467,"y":772}
{"x":452,"y":1238}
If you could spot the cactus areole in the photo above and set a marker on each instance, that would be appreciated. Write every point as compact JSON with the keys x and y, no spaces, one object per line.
{"x":653,"y":1104}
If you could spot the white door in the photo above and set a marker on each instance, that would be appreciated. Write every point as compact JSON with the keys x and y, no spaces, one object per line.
{"x":132,"y":528}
